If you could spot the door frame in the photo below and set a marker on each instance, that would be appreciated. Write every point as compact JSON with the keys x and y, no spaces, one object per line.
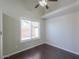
{"x":1,"y":34}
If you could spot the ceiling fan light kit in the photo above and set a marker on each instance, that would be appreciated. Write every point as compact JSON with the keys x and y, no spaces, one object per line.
{"x":43,"y":3}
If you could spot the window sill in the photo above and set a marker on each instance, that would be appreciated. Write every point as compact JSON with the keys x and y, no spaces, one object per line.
{"x":22,"y":41}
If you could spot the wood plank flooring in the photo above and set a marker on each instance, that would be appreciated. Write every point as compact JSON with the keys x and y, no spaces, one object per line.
{"x":44,"y":52}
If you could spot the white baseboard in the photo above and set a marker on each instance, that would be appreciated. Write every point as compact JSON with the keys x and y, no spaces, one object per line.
{"x":21,"y":50}
{"x":38,"y":45}
{"x":76,"y":53}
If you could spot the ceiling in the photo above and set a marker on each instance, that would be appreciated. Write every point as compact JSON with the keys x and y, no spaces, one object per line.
{"x":59,"y":4}
{"x":23,"y":7}
{"x":30,"y":4}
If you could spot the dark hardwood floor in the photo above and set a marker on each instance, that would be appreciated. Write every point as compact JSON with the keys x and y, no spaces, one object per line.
{"x":44,"y":52}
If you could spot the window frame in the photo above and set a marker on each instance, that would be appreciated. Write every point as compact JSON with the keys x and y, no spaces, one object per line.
{"x":30,"y":31}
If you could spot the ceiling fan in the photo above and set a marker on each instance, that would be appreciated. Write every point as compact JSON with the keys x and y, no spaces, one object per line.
{"x":43,"y":3}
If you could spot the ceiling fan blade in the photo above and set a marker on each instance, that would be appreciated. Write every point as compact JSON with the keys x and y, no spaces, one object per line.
{"x":37,"y":6}
{"x":52,"y":0}
{"x":47,"y":7}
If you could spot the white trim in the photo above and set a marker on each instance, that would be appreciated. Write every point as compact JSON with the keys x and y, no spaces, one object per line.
{"x":1,"y":35}
{"x":21,"y":50}
{"x":76,"y":53}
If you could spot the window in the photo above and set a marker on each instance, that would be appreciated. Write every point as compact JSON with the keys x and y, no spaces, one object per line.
{"x":35,"y":30}
{"x":29,"y":30}
{"x":25,"y":30}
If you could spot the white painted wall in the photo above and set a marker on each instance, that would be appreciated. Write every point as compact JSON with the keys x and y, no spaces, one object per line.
{"x":13,"y":9}
{"x":11,"y":37}
{"x":63,"y":32}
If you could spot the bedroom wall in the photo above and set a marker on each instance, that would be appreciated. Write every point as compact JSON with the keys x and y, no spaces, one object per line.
{"x":63,"y":32}
{"x":13,"y":10}
{"x":11,"y":37}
